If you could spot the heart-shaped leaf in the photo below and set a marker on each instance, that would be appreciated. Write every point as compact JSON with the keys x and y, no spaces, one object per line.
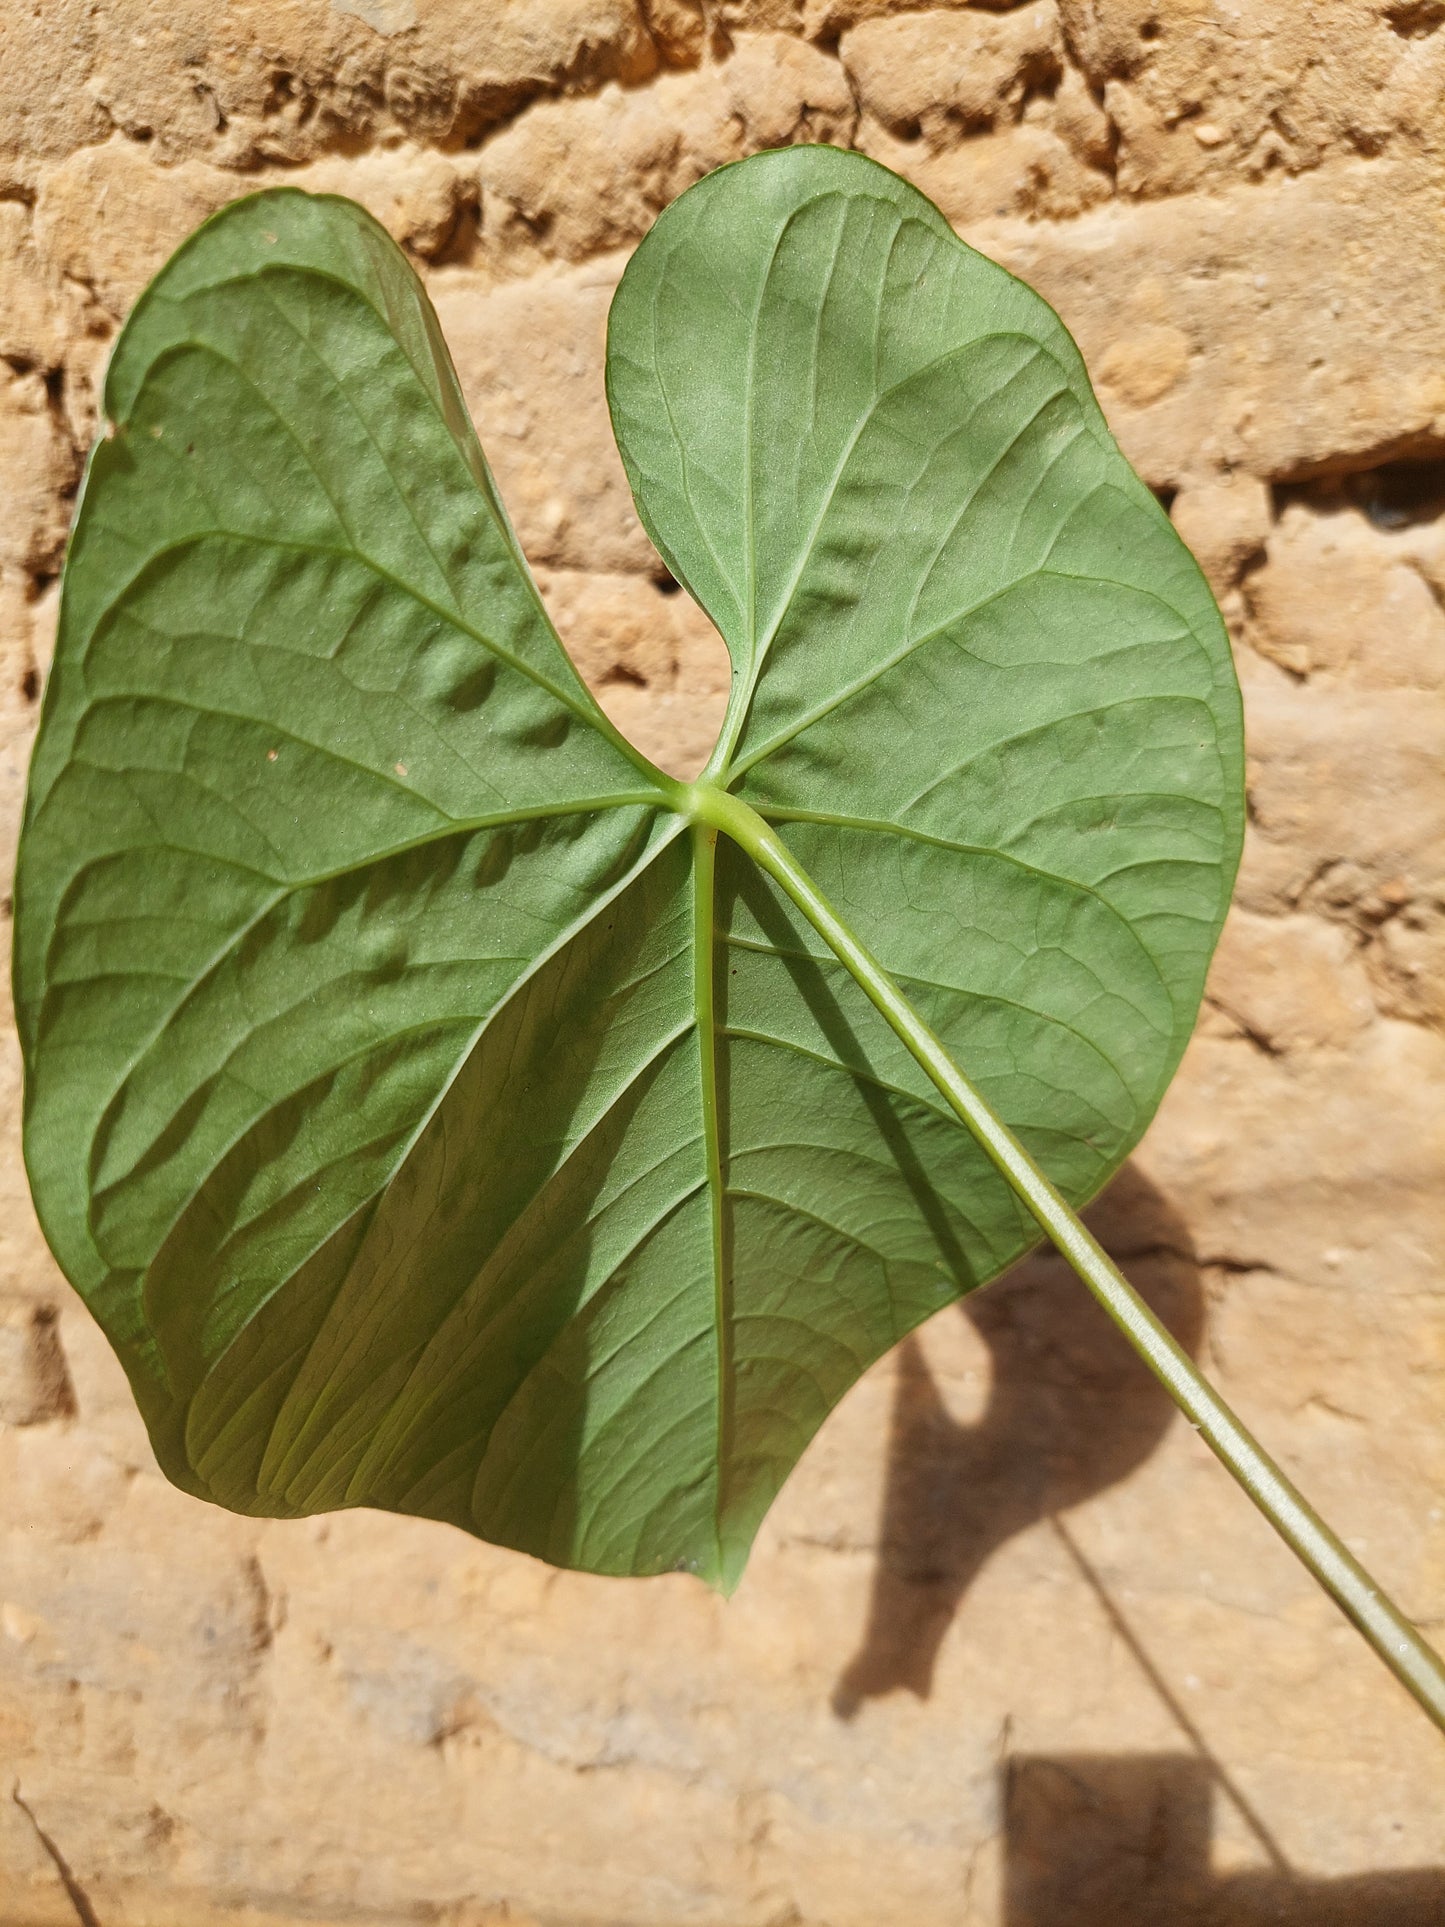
{"x":435,"y":1112}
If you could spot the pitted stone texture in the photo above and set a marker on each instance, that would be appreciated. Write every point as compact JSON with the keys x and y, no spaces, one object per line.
{"x":938,"y":76}
{"x":929,"y":84}
{"x":530,"y":357}
{"x":420,"y":195}
{"x":657,"y":664}
{"x":1201,"y":91}
{"x":1238,"y":331}
{"x":34,"y":1383}
{"x":568,"y":180}
{"x":1236,"y":206}
{"x":285,"y":80}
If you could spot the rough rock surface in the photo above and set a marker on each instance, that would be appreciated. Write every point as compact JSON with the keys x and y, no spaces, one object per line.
{"x":1012,"y":1652}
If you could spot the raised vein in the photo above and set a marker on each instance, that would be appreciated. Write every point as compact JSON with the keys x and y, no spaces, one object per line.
{"x":704,"y":847}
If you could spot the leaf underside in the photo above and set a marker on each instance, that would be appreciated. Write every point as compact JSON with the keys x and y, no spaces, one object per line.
{"x":432,"y":1117}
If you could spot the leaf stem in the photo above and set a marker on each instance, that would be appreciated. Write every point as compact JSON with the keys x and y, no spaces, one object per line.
{"x":1412,"y":1660}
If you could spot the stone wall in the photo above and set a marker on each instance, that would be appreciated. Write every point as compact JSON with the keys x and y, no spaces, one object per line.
{"x":1012,"y":1652}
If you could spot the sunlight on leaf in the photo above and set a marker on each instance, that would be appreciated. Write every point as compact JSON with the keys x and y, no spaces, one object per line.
{"x":431,"y":1115}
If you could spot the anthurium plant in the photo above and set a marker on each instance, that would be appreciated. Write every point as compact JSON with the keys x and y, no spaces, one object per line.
{"x":443,"y":1109}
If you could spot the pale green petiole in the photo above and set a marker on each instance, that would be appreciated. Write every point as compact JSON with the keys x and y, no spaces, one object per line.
{"x":1414,"y":1662}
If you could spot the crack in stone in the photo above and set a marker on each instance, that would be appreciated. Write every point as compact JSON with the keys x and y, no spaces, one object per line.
{"x":79,"y":1899}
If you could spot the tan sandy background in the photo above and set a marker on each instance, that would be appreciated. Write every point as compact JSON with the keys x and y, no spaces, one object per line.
{"x":1012,"y":1652}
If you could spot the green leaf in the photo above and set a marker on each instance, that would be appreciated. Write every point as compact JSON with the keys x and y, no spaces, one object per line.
{"x":435,"y":1113}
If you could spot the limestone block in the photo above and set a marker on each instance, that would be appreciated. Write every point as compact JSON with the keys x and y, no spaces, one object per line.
{"x":530,"y":358}
{"x":680,"y":29}
{"x":1363,"y":1393}
{"x":1352,"y":784}
{"x":573,"y":180}
{"x":929,"y":84}
{"x":1026,"y":170}
{"x":26,"y":629}
{"x":1291,"y":983}
{"x":1201,"y":93}
{"x":287,"y":80}
{"x":37,"y":474}
{"x":943,"y":74}
{"x":1407,"y":959}
{"x":1277,"y":298}
{"x":32,"y":325}
{"x":1075,"y":113}
{"x":657,"y":665}
{"x":34,"y":1384}
{"x":1226,"y":525}
{"x":420,"y":196}
{"x":27,"y":1271}
{"x":568,"y":182}
{"x":108,"y":217}
{"x":826,"y":19}
{"x":1344,"y":597}
{"x":782,"y":92}
{"x":617,"y":628}
{"x":756,"y":16}
{"x":1277,"y":1159}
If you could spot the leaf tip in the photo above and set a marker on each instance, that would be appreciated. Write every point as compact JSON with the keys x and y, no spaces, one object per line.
{"x":725,"y":1575}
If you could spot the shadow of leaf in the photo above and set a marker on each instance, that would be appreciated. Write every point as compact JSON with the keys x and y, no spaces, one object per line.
{"x":1071,"y":1411}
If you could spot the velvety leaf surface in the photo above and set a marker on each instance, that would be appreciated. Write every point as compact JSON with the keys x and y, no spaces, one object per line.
{"x":433,"y":1116}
